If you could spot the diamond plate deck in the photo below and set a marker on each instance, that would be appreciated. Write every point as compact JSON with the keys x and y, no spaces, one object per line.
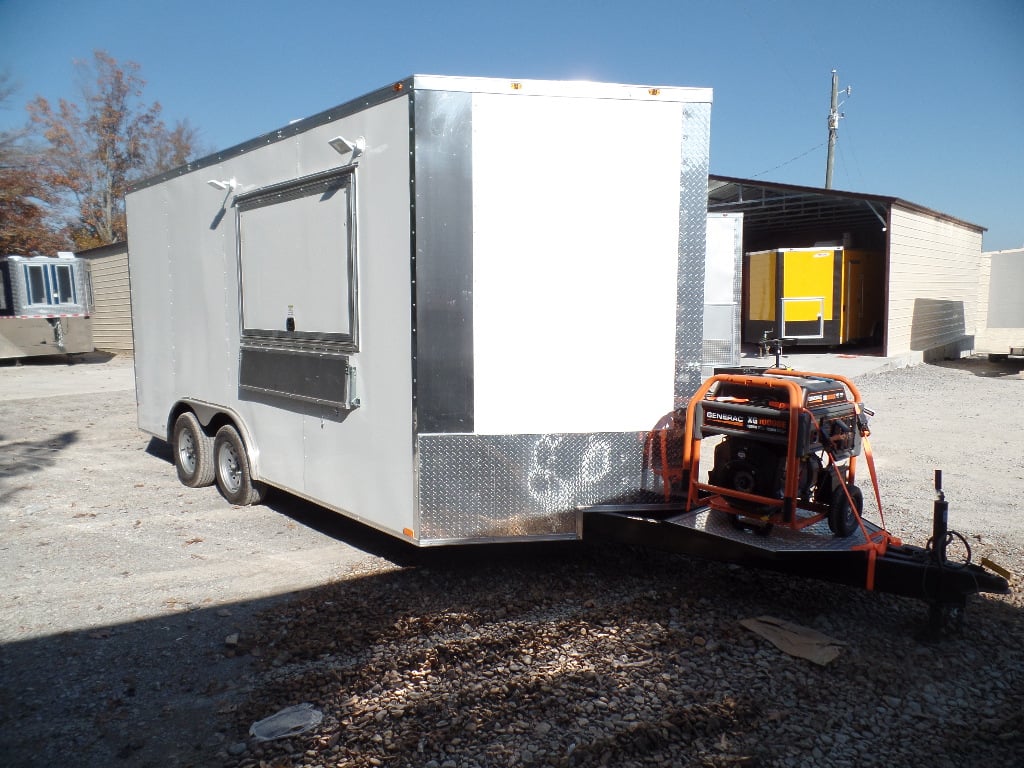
{"x":813,"y":538}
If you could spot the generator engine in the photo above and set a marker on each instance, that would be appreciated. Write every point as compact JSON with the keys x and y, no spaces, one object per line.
{"x":753,"y":419}
{"x":750,"y":467}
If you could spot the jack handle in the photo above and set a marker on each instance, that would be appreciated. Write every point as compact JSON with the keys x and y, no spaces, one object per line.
{"x":940,"y":521}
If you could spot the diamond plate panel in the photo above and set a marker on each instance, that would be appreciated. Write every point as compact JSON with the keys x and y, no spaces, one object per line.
{"x":815,"y":537}
{"x":693,"y":210}
{"x":718,"y":352}
{"x":487,"y":487}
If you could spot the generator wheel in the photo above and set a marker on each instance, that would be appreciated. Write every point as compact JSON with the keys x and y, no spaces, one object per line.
{"x":193,"y":452}
{"x":234,"y":479}
{"x":841,"y":519}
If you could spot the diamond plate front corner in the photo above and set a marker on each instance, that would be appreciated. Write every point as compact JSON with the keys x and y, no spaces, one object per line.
{"x":492,"y":487}
{"x":693,"y":211}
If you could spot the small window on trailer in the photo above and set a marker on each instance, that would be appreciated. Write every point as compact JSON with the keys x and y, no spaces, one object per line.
{"x":35,"y":282}
{"x":50,"y":284}
{"x":65,"y":286}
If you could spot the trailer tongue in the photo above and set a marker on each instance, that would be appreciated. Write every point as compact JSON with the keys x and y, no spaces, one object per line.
{"x":781,"y":493}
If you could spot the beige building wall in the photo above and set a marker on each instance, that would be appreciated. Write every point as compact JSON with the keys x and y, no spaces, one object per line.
{"x":112,"y":309}
{"x":934,"y":265}
{"x":1001,"y":279}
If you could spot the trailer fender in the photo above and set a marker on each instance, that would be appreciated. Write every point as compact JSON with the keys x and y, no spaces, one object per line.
{"x":213,"y":417}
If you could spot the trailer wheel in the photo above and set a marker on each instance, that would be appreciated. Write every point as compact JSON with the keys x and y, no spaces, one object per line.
{"x":231,"y":463}
{"x":841,"y":519}
{"x":193,"y":452}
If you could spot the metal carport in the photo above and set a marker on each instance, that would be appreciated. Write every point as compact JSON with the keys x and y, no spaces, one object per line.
{"x":932,"y":259}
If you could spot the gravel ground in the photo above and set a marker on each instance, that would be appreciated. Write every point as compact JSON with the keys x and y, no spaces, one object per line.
{"x":144,"y":624}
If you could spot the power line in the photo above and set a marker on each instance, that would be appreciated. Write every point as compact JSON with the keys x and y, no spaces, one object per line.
{"x":793,"y":160}
{"x":853,"y":153}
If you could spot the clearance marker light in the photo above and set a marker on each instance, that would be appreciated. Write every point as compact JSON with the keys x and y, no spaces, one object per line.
{"x":654,"y":91}
{"x":516,"y":86}
{"x":397,"y":87}
{"x":409,"y":532}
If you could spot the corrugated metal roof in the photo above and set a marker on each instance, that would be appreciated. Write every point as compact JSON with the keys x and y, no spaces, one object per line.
{"x":769,"y":205}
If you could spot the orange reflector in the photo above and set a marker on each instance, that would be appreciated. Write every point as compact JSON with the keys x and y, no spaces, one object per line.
{"x":397,"y":87}
{"x":409,"y":532}
{"x":654,"y":91}
{"x":516,"y":86}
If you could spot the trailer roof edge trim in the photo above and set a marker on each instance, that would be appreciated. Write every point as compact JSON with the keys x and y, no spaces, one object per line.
{"x":351,"y":107}
{"x":568,"y":88}
{"x":491,"y":85}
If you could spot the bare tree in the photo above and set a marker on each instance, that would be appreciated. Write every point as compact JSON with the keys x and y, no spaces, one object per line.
{"x":171,"y":148}
{"x":24,"y":198}
{"x":95,"y":148}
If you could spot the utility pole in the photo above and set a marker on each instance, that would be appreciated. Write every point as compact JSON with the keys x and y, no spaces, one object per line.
{"x":834,"y":116}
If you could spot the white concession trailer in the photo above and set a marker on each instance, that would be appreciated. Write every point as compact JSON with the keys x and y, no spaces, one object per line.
{"x":450,"y":309}
{"x":45,"y":302}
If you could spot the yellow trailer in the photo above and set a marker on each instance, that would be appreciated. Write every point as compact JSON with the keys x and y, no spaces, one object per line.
{"x":824,"y":295}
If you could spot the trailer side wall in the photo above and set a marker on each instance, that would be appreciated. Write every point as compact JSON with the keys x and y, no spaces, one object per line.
{"x":187,"y":315}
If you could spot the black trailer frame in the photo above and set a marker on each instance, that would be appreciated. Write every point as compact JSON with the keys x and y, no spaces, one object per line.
{"x":919,"y":572}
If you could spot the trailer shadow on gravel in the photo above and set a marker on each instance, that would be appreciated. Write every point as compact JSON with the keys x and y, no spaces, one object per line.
{"x":398,"y":552}
{"x":615,"y":656}
{"x":322,"y":520}
{"x":160,"y":449}
{"x":610,"y":656}
{"x":561,"y":653}
{"x":369,"y":540}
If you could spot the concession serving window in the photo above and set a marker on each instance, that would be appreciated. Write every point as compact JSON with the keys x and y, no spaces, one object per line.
{"x":297,"y":286}
{"x":297,"y":261}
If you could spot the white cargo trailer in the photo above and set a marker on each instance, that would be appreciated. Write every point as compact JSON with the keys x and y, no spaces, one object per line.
{"x":450,"y":309}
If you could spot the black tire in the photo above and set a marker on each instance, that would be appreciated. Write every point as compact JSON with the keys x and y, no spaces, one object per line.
{"x":841,"y":519}
{"x":231,"y":466}
{"x":193,"y":452}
